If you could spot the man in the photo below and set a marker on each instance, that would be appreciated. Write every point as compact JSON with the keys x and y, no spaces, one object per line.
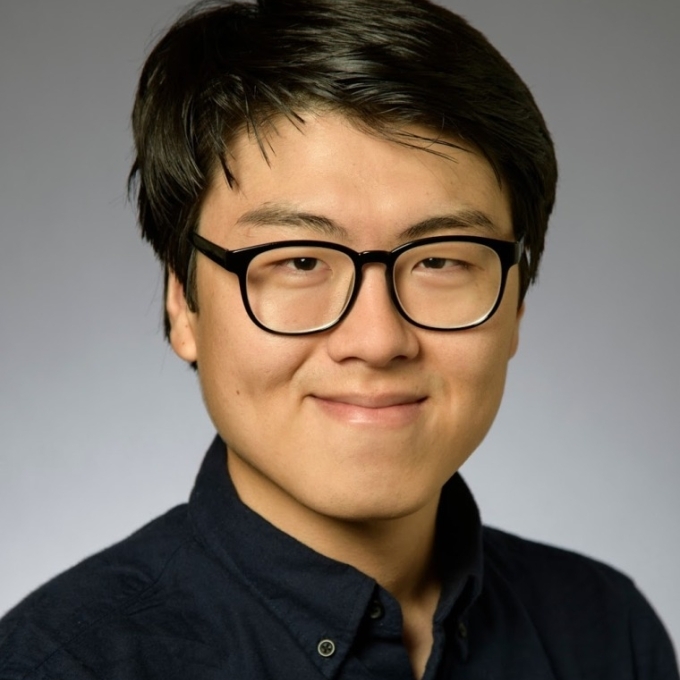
{"x":350,"y":200}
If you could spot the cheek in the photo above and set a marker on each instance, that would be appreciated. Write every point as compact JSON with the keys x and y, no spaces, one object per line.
{"x":472,"y":370}
{"x":244,"y":370}
{"x":494,"y":347}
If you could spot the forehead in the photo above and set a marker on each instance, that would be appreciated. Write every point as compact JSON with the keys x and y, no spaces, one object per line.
{"x":366,"y":182}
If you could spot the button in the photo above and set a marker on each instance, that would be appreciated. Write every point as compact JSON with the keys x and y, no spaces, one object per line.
{"x":375,"y":610}
{"x":326,"y":648}
{"x":462,"y":630}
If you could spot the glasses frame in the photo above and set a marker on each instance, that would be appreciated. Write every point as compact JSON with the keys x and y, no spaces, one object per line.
{"x":238,"y":261}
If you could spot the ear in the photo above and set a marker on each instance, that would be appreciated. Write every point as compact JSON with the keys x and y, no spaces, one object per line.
{"x":514,"y":343}
{"x":182,"y":320}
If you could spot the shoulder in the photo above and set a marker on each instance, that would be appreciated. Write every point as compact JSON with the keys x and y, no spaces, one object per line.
{"x":524,"y":561}
{"x":552,"y":582}
{"x":577,"y":603}
{"x":50,"y":621}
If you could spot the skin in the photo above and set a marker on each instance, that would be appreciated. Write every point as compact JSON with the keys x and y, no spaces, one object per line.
{"x":345,"y":438}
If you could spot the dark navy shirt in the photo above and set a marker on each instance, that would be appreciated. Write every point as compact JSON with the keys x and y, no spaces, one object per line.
{"x":213,"y":591}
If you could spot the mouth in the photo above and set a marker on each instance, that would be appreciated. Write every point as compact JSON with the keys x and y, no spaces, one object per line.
{"x":389,"y":409}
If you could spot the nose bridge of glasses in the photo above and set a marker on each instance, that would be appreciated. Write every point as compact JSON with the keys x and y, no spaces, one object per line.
{"x":380,"y":257}
{"x":375,"y":257}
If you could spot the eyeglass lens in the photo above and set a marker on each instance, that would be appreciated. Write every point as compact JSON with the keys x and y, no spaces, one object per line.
{"x":444,"y":285}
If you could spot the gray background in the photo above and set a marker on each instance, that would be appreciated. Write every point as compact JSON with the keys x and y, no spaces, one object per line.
{"x":102,"y":428}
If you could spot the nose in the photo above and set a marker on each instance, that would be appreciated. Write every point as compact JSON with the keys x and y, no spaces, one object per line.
{"x":374,"y":331}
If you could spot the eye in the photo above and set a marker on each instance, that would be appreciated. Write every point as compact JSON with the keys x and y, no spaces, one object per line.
{"x":442,"y":263}
{"x":302,"y":264}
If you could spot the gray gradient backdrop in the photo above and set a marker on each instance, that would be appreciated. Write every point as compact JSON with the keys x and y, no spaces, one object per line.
{"x":102,"y":428}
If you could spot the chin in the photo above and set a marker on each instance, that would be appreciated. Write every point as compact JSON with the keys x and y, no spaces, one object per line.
{"x":371,"y":505}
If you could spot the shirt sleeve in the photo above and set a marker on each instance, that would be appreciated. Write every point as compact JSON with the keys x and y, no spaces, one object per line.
{"x":653,"y":652}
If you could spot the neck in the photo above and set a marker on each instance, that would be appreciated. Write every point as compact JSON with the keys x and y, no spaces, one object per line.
{"x":396,"y":552}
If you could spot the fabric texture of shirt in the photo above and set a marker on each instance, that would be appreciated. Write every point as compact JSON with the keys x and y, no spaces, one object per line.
{"x":212,"y":591}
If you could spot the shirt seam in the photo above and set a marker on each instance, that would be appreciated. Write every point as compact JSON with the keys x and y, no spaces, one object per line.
{"x":125,"y":603}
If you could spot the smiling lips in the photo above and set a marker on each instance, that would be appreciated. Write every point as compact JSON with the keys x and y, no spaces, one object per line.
{"x":384,"y":409}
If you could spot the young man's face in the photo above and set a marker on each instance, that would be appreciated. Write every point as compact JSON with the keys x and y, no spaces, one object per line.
{"x":369,"y":419}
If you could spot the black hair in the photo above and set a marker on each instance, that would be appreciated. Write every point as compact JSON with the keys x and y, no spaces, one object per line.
{"x":226,"y":67}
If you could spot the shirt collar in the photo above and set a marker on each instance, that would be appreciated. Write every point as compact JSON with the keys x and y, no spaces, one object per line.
{"x":459,"y":549}
{"x":315,"y":597}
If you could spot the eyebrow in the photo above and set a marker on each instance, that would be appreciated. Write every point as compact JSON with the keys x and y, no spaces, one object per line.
{"x":280,"y":215}
{"x":463,"y":219}
{"x":275,"y":214}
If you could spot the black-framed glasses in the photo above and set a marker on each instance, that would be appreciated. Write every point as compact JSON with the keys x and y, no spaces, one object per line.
{"x":443,"y":283}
